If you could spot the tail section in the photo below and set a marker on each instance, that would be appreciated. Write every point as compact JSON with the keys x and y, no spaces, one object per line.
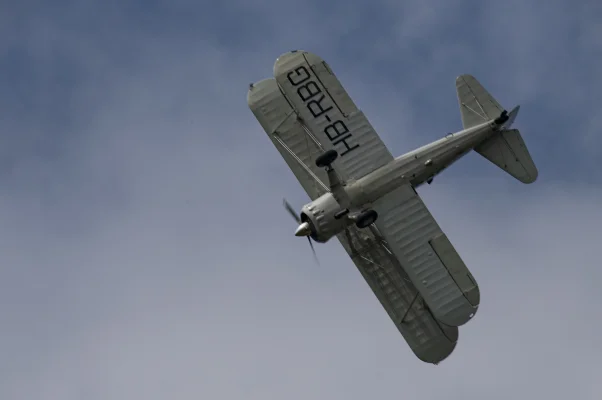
{"x":476,"y":104}
{"x":506,"y":149}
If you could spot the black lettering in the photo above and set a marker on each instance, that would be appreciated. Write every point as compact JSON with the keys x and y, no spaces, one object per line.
{"x":316,"y":108}
{"x":343,"y":140}
{"x":335,"y":130}
{"x":309,"y":90}
{"x":298,"y":76}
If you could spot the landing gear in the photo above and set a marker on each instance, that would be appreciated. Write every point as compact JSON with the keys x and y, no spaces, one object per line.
{"x":325,"y":159}
{"x":337,"y":188}
{"x":366,"y":218}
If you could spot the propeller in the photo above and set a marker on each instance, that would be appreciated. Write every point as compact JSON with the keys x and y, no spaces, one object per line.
{"x":304,"y":228}
{"x":291,"y":211}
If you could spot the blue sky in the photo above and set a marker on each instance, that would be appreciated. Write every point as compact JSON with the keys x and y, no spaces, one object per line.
{"x":144,"y":249}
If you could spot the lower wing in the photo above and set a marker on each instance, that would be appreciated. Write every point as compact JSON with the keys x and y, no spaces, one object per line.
{"x":430,"y":340}
{"x":427,"y":256}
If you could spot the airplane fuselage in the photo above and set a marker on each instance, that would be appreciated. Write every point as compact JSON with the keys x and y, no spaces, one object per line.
{"x":418,"y":166}
{"x":415,"y":168}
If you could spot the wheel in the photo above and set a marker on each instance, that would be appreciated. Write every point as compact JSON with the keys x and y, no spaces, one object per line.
{"x":366,"y":219}
{"x":326,"y":158}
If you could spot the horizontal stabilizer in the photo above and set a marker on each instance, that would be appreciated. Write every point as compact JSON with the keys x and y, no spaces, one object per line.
{"x":508,"y":151}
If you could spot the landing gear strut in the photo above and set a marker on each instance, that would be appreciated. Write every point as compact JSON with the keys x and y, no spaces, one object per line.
{"x":363,"y":219}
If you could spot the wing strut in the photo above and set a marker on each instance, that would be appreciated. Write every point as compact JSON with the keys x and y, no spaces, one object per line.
{"x":301,"y":163}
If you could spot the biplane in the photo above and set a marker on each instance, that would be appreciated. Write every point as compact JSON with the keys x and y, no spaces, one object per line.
{"x":367,"y":198}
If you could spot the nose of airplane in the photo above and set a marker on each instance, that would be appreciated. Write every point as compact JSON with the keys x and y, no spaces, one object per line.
{"x":303,"y":230}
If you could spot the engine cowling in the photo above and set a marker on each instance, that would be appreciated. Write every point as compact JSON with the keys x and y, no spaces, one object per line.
{"x":320,"y":214}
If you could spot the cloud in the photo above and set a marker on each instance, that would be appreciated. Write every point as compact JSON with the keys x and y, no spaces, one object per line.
{"x":144,"y":250}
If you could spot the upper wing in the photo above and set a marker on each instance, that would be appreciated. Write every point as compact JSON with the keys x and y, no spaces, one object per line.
{"x":329,"y":114}
{"x":305,"y":111}
{"x":427,"y":256}
{"x":430,"y":340}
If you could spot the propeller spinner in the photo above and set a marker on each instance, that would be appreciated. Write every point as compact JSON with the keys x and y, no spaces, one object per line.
{"x":304,"y":228}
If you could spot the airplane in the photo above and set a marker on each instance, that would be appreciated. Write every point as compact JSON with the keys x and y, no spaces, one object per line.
{"x":367,"y":199}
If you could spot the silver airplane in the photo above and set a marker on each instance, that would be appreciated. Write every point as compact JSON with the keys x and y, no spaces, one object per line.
{"x":367,"y":199}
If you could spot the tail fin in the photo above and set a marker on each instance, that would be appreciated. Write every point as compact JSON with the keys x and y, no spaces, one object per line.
{"x":506,"y":149}
{"x":476,"y":104}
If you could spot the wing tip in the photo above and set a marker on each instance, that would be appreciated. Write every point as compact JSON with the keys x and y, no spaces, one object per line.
{"x":282,"y":61}
{"x":436,"y":352}
{"x":258,"y":88}
{"x":531,"y":177}
{"x":464,"y":78}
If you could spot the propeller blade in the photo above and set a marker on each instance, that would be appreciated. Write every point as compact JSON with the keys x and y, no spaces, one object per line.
{"x":297,"y":218}
{"x":313,"y":250}
{"x":291,"y":211}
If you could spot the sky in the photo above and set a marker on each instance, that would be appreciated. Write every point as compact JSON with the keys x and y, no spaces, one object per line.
{"x":144,"y":250}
